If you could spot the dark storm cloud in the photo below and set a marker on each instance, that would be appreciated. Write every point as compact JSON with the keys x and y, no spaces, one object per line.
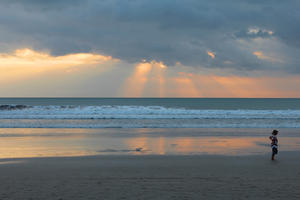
{"x":165,"y":30}
{"x":42,"y":4}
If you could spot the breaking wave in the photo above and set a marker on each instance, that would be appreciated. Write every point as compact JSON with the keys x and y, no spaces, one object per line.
{"x":23,"y":116}
{"x":136,"y":112}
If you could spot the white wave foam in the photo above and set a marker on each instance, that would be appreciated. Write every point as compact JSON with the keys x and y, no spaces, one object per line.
{"x":88,"y":126}
{"x":140,"y":112}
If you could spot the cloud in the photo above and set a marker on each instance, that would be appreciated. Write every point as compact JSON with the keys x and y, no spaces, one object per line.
{"x":262,"y":56}
{"x":211,"y":54}
{"x":30,"y":73}
{"x":170,"y":31}
{"x":26,"y":63}
{"x":31,"y":58}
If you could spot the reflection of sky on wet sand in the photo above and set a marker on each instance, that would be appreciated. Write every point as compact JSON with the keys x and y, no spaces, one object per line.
{"x":19,"y":143}
{"x":213,"y":145}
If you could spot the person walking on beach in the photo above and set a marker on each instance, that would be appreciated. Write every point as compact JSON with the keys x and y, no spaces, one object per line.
{"x":274,"y":143}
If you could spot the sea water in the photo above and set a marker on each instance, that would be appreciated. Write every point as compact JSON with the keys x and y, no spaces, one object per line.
{"x":43,"y":127}
{"x":149,"y":113}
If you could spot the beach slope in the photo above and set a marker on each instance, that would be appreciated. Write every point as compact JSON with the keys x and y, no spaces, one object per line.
{"x":152,"y":177}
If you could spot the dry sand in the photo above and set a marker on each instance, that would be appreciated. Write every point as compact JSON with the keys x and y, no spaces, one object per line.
{"x":152,"y":177}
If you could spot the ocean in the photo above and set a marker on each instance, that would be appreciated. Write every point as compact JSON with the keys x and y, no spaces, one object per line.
{"x":52,"y":127}
{"x":149,"y":113}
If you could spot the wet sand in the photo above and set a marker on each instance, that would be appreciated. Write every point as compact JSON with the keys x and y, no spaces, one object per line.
{"x":26,"y":142}
{"x":152,"y":177}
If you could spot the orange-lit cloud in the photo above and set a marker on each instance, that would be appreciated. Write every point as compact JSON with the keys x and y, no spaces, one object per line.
{"x":30,"y":73}
{"x":24,"y":63}
{"x":211,"y":54}
{"x":262,"y":56}
{"x":28,"y":57}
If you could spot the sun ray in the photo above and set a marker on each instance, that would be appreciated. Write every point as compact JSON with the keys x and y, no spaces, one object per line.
{"x":134,"y":85}
{"x":161,"y":83}
{"x":184,"y":86}
{"x":155,"y":86}
{"x":245,"y":86}
{"x":147,"y":77}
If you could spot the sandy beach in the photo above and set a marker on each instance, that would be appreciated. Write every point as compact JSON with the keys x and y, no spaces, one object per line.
{"x":149,"y":100}
{"x":152,"y":177}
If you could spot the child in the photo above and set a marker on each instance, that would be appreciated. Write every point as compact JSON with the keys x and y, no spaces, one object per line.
{"x":274,"y":143}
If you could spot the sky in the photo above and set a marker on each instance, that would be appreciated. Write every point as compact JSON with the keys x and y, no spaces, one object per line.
{"x":149,"y":48}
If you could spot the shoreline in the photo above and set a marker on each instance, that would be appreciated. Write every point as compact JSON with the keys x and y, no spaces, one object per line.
{"x":25,"y":143}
